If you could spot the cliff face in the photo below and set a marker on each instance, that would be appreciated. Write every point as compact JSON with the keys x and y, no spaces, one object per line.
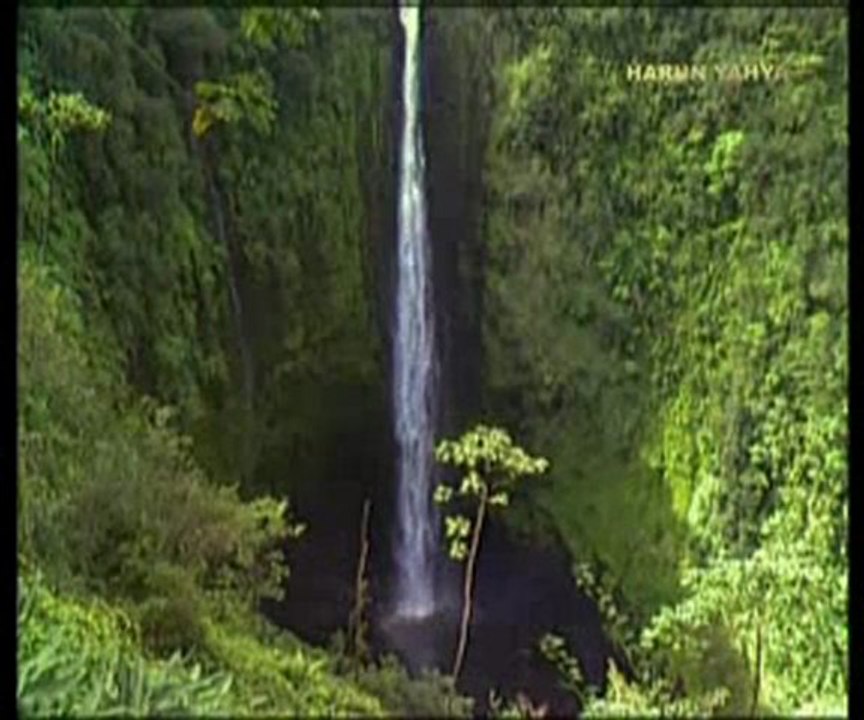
{"x":457,"y":121}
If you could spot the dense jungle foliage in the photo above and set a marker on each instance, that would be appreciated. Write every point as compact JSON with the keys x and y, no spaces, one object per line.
{"x":667,"y":319}
{"x":191,"y":304}
{"x":661,"y":272}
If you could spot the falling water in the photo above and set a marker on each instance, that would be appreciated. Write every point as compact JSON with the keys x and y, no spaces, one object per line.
{"x":414,"y":353}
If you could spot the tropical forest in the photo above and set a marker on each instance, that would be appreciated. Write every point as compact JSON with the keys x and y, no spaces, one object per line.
{"x":410,"y":361}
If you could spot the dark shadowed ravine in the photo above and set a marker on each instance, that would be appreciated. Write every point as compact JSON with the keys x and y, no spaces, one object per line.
{"x":522,"y":592}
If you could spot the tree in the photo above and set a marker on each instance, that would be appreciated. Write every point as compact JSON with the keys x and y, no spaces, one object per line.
{"x":492,"y":465}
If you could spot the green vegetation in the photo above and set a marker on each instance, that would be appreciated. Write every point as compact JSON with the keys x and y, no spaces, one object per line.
{"x":160,"y":569}
{"x":112,"y":506}
{"x":667,"y":301}
{"x":153,"y":388}
{"x":84,"y":658}
{"x":492,"y":465}
{"x":659,"y":273}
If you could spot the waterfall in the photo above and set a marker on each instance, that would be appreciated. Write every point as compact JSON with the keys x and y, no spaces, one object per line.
{"x":413,"y":354}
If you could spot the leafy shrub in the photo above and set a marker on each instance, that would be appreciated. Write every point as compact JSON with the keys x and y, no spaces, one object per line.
{"x":641,"y":700}
{"x":111,"y":495}
{"x":81,"y":658}
{"x":431,"y":694}
{"x":278,"y":675}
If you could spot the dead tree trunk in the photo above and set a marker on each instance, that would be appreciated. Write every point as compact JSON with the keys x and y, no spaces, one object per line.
{"x":467,"y":603}
{"x":355,"y":624}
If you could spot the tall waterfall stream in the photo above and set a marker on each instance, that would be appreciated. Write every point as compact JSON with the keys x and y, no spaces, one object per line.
{"x":522,"y":591}
{"x":413,"y":355}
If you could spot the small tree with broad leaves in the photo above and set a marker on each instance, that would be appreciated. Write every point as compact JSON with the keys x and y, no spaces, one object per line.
{"x":492,"y":466}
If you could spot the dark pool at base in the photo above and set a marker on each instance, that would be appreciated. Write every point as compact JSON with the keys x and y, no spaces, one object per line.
{"x":522,"y":592}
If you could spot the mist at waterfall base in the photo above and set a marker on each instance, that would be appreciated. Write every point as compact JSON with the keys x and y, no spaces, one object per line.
{"x":522,"y":592}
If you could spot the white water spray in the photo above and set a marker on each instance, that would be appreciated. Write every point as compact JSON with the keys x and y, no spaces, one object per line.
{"x":413,"y":354}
